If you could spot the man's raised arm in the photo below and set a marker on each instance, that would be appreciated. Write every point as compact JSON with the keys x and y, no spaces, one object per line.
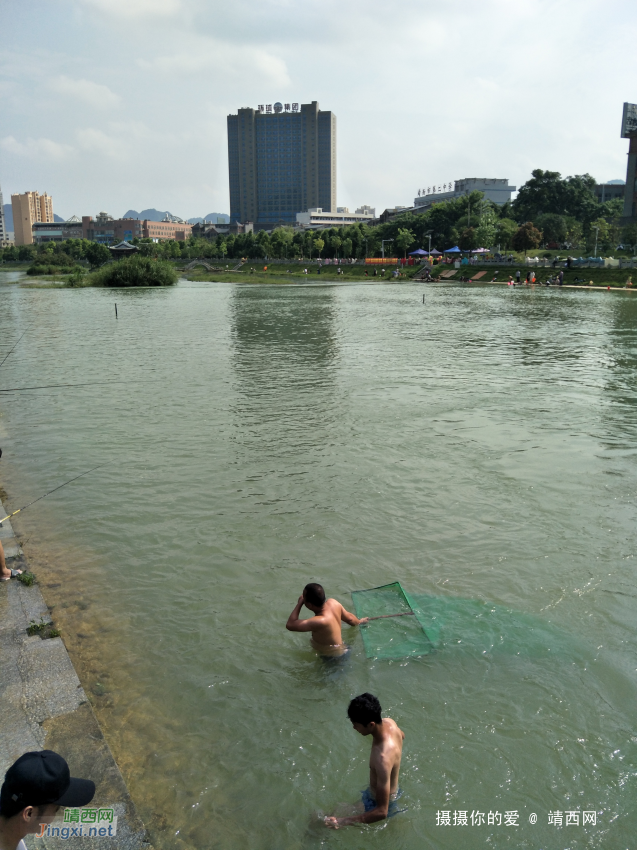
{"x":295,"y":625}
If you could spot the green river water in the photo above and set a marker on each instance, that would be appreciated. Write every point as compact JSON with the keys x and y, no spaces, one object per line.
{"x":480,"y":448}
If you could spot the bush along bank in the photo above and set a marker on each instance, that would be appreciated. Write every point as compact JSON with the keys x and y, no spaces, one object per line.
{"x":135,"y":271}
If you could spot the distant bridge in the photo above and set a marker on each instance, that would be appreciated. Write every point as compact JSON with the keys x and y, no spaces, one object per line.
{"x":195,"y":263}
{"x":210,"y":268}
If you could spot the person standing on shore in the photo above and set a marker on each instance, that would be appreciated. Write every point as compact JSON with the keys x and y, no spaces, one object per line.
{"x":379,"y":800}
{"x":34,"y":790}
{"x":5,"y":572}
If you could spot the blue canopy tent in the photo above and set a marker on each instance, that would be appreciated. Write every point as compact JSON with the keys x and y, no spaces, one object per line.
{"x":455,"y":250}
{"x":418,"y":253}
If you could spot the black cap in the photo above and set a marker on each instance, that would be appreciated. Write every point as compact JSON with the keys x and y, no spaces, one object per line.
{"x":40,"y":778}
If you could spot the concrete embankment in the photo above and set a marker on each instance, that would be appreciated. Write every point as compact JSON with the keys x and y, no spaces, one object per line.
{"x":45,"y":707}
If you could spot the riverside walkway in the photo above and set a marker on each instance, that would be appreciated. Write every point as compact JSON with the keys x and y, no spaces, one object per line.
{"x":45,"y":707}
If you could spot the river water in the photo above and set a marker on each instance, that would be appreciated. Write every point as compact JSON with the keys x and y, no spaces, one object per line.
{"x":480,"y":448}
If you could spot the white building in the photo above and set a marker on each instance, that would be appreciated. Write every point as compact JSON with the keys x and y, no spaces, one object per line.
{"x":316,"y":218}
{"x":494,"y":189}
{"x":365,"y":210}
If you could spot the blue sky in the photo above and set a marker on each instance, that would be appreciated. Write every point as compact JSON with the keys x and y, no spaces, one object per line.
{"x":112,"y":104}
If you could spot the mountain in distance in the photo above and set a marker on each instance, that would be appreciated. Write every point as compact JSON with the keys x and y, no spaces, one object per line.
{"x":212,"y":218}
{"x":8,"y":217}
{"x":158,"y":215}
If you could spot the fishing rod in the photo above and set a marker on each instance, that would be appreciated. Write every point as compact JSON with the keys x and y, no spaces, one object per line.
{"x":19,"y":338}
{"x":59,"y":487}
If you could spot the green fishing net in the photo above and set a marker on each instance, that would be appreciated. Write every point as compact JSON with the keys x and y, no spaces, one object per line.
{"x":390,"y":637}
{"x":453,"y":625}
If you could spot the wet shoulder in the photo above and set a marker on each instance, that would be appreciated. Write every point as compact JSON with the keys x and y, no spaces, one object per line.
{"x":395,"y":729}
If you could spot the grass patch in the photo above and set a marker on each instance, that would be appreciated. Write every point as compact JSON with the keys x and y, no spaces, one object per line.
{"x":43,"y":269}
{"x":44,"y":630}
{"x":28,"y":579}
{"x":293,"y":273}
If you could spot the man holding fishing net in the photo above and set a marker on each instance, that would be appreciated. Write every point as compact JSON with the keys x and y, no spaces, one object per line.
{"x":325,"y":625}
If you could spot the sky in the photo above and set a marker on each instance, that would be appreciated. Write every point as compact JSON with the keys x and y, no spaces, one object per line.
{"x":118,"y":104}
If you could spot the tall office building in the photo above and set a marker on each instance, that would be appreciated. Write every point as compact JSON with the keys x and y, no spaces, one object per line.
{"x":629,"y":131}
{"x":3,"y":225}
{"x":27,"y":209}
{"x":282,"y":160}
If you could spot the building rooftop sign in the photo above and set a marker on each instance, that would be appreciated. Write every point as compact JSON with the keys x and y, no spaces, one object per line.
{"x":278,"y":107}
{"x":629,"y":120}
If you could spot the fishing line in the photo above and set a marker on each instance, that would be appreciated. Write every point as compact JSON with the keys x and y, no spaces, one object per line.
{"x":59,"y":487}
{"x":20,"y":337}
{"x":90,"y":384}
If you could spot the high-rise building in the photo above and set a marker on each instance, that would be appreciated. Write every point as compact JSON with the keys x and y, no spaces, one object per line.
{"x":629,"y":131}
{"x":282,"y":160}
{"x":27,"y":209}
{"x":4,"y":238}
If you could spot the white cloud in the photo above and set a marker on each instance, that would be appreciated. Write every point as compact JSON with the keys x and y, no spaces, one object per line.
{"x":230,"y":60}
{"x":131,"y":9}
{"x":36,"y":148}
{"x":98,"y":142}
{"x":95,"y":94}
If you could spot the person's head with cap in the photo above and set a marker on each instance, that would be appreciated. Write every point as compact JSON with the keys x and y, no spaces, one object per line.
{"x":35,"y":787}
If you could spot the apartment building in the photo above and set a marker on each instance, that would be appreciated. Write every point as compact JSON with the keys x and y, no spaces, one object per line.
{"x":27,"y":209}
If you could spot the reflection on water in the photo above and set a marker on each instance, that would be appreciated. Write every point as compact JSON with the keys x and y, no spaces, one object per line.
{"x":478,"y":447}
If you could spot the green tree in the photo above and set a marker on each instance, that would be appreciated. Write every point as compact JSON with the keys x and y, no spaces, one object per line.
{"x":526,"y":237}
{"x":347,"y":247}
{"x":319,"y":244}
{"x":467,"y":239}
{"x":598,"y":238}
{"x":10,"y":253}
{"x":574,"y":233}
{"x":487,"y":227}
{"x":629,"y":236}
{"x":26,"y":252}
{"x":97,"y":254}
{"x":336,"y":244}
{"x":505,"y":232}
{"x":263,"y":240}
{"x":546,"y":192}
{"x":553,"y":226}
{"x":404,"y":239}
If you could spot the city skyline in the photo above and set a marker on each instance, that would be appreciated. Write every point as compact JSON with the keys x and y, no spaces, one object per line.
{"x":100,"y":98}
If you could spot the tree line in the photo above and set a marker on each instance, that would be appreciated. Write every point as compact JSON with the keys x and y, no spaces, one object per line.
{"x":549,"y":209}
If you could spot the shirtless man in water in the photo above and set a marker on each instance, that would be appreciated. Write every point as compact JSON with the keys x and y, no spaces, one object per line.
{"x":384,"y":762}
{"x":325,"y":625}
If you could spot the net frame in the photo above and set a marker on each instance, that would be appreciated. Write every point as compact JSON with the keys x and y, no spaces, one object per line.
{"x":398,"y":630}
